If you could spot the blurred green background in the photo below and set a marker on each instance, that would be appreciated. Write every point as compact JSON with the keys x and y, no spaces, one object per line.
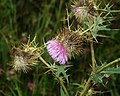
{"x":21,"y":18}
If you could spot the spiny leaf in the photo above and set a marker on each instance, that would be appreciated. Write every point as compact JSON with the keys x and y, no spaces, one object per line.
{"x":62,"y":70}
{"x":97,"y":26}
{"x":97,"y":78}
{"x":112,"y":71}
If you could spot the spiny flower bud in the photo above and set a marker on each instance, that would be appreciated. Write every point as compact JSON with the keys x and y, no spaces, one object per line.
{"x":63,"y":45}
{"x":25,"y":57}
{"x":84,"y":10}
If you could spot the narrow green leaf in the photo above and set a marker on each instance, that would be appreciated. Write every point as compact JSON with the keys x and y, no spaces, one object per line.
{"x":112,"y":71}
{"x":62,"y":92}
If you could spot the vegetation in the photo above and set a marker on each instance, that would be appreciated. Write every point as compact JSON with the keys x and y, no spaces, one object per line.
{"x":27,"y":68}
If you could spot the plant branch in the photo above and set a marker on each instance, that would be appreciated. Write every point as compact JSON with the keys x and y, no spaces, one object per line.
{"x":44,"y":62}
{"x":88,"y":83}
{"x":61,"y":82}
{"x":107,"y":65}
{"x":63,"y":86}
{"x":93,"y":57}
{"x":86,"y":88}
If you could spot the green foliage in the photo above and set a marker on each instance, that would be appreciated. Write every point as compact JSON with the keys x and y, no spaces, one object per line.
{"x":111,"y":71}
{"x":97,"y":26}
{"x":98,"y":78}
{"x":61,"y":70}
{"x":62,"y":92}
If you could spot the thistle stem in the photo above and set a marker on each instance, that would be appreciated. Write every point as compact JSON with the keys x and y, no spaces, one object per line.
{"x":86,"y":88}
{"x":93,"y":57}
{"x":44,"y":61}
{"x":63,"y":86}
{"x":88,"y":83}
{"x":107,"y":65}
{"x":61,"y":82}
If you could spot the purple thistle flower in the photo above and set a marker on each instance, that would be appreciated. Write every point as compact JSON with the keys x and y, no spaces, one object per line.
{"x":57,"y":51}
{"x":64,"y":45}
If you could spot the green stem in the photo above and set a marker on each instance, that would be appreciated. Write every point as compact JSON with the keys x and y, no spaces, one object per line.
{"x":93,"y":57}
{"x":107,"y":65}
{"x":64,"y":88}
{"x":61,"y":83}
{"x":68,"y":23}
{"x":44,"y":62}
{"x":111,"y":11}
{"x":86,"y":88}
{"x":18,"y":90}
{"x":88,"y":83}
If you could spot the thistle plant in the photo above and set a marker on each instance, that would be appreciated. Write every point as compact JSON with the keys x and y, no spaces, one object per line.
{"x":68,"y":42}
{"x":93,"y":21}
{"x":60,"y":57}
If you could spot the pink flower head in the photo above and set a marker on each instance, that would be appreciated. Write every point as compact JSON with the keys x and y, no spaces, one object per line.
{"x":57,"y":51}
{"x":76,"y":10}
